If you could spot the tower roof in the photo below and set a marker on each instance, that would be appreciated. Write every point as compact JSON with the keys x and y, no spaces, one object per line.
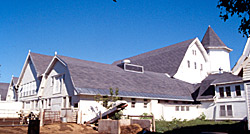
{"x":211,"y":39}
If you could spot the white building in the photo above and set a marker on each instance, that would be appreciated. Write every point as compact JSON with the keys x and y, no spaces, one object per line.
{"x":170,"y":82}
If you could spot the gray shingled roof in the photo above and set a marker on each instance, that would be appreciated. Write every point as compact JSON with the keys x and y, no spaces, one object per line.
{"x":205,"y":88}
{"x":93,"y":78}
{"x":41,"y":62}
{"x":163,"y":60}
{"x":211,"y":39}
{"x":3,"y":90}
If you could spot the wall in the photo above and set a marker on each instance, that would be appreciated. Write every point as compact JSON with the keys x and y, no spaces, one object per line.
{"x":184,"y":72}
{"x":219,"y":58}
{"x":10,"y":109}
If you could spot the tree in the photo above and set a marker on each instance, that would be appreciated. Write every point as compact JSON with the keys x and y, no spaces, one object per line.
{"x":240,"y":8}
{"x":106,"y":100}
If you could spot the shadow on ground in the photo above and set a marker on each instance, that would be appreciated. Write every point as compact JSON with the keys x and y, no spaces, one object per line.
{"x":237,"y":128}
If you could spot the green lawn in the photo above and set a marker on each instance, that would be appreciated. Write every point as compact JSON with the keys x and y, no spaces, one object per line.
{"x":200,"y":123}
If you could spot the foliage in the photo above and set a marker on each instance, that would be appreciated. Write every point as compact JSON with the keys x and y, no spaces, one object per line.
{"x":241,"y":8}
{"x":108,"y":100}
{"x":163,"y":126}
{"x":146,"y":114}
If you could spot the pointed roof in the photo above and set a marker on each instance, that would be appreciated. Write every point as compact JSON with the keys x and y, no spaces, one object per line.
{"x":3,"y":90}
{"x":211,"y":39}
{"x":163,"y":60}
{"x":40,"y":62}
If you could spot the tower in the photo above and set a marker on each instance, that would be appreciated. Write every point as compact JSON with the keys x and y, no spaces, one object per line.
{"x":217,"y":51}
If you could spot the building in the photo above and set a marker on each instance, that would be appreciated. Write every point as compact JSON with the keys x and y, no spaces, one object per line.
{"x":182,"y":80}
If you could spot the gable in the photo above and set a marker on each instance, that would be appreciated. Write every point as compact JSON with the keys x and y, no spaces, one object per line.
{"x":29,"y":73}
{"x":193,"y":68}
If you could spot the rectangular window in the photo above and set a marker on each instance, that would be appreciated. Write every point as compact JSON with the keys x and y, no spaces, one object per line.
{"x":228,"y":91}
{"x":194,"y":65}
{"x":177,"y":108}
{"x":237,"y":89}
{"x":182,"y":108}
{"x":64,"y":102}
{"x":57,"y":86}
{"x":221,"y":90}
{"x":188,"y":63}
{"x":222,"y":110}
{"x":187,"y":108}
{"x":229,"y":110}
{"x":133,"y":101}
{"x":49,"y":103}
{"x":145,"y":103}
{"x":201,"y":67}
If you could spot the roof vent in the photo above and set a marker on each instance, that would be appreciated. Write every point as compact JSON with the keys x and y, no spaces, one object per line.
{"x":126,"y":61}
{"x":133,"y":68}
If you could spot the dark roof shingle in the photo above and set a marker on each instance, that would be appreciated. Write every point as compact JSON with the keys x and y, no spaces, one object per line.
{"x":163,"y":60}
{"x":40,"y":61}
{"x":3,"y":90}
{"x":211,"y":39}
{"x":92,"y":75}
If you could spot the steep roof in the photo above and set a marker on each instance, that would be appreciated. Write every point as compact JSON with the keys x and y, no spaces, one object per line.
{"x":3,"y":90}
{"x":163,"y":60}
{"x":92,"y":77}
{"x":40,"y":62}
{"x":206,"y":88}
{"x":211,"y":39}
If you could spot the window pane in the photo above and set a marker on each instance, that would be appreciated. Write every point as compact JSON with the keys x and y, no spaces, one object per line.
{"x":222,"y":111}
{"x":187,"y":108}
{"x":176,"y":108}
{"x":221,"y":90}
{"x":237,"y":89}
{"x":228,"y":91}
{"x":182,"y":108}
{"x":229,"y":110}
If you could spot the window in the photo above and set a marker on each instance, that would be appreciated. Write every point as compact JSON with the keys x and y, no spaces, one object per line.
{"x":187,"y":108}
{"x":145,"y":103}
{"x":133,"y":101}
{"x":188,"y":63}
{"x":194,"y":52}
{"x":229,"y":110}
{"x":201,"y":67}
{"x":222,"y":110}
{"x":57,"y":84}
{"x":221,"y":90}
{"x":177,"y":108}
{"x":237,"y":89}
{"x":226,"y":110}
{"x":194,"y":65}
{"x":64,"y":102}
{"x":228,"y":91}
{"x":76,"y":105}
{"x":49,"y":103}
{"x":182,"y":108}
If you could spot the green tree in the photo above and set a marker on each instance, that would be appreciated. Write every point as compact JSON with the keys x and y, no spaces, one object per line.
{"x":108,"y":100}
{"x":240,"y":8}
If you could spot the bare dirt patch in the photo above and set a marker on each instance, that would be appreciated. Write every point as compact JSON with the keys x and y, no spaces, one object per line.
{"x":58,"y":128}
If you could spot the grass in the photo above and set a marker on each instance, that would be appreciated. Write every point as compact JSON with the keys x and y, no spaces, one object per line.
{"x":164,"y":126}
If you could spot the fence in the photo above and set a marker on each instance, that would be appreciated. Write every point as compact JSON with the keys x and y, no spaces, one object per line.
{"x":50,"y":117}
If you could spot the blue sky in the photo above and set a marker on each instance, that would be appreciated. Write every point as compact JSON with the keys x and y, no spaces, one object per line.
{"x":104,"y":31}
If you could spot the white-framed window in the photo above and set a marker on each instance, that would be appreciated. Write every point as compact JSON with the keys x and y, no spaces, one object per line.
{"x":145,"y":103}
{"x":57,"y":83}
{"x":226,"y":110}
{"x":177,"y":108}
{"x":221,"y":91}
{"x":188,"y":64}
{"x":133,"y":101}
{"x":238,"y":90}
{"x":228,"y":91}
{"x":201,"y":67}
{"x":195,"y":65}
{"x":64,"y":102}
